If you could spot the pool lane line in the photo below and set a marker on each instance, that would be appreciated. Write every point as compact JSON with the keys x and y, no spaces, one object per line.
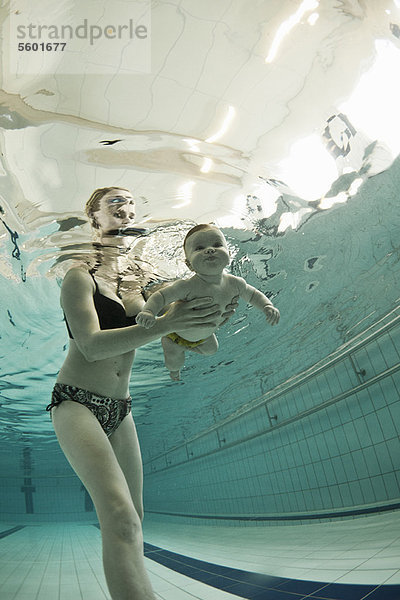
{"x":257,"y":586}
{"x":7,"y":532}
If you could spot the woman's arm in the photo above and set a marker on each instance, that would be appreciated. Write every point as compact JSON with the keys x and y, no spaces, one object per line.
{"x":96,"y":344}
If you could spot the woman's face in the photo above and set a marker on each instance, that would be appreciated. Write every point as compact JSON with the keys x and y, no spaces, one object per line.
{"x":117,"y":211}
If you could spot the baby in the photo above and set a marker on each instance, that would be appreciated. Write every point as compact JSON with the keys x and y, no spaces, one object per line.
{"x":207,"y":255}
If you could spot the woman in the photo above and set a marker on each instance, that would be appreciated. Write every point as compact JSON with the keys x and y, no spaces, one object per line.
{"x":90,"y":405}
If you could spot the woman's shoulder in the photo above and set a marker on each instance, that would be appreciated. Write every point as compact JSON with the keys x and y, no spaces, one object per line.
{"x":77,"y":276}
{"x":77,"y":285}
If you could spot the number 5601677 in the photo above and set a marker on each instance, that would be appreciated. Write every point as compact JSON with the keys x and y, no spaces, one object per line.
{"x":41,"y":46}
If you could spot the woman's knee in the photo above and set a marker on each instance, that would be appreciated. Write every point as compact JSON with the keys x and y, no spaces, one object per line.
{"x":122,"y":520}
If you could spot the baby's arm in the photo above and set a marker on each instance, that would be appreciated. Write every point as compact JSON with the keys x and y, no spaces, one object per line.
{"x":256,"y":298}
{"x":154,"y":305}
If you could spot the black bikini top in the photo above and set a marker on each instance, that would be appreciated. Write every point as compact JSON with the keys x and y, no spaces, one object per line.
{"x":111,"y":313}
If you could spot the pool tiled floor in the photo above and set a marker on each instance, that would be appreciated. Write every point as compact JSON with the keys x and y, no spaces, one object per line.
{"x":348,"y":560}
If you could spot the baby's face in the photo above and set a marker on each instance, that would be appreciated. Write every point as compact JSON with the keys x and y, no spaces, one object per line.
{"x":206,"y":252}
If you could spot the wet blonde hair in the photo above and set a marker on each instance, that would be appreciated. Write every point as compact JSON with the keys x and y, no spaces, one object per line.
{"x":93,"y":204}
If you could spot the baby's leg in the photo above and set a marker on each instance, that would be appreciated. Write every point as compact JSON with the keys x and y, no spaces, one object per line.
{"x":174,"y":357}
{"x":209,"y":346}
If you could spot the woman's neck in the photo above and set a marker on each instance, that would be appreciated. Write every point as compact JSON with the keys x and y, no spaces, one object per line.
{"x":112,"y":257}
{"x":119,"y":243}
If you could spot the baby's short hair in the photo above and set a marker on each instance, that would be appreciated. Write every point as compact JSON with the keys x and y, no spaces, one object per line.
{"x":197,"y":228}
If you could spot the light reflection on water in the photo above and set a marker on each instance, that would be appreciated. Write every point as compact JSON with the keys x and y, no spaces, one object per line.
{"x":320,"y":276}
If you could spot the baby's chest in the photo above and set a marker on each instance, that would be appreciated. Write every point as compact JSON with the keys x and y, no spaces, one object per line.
{"x":221,"y":295}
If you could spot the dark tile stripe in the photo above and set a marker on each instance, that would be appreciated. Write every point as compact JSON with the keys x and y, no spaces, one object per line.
{"x":256,"y":586}
{"x":338,"y":514}
{"x":7,"y":532}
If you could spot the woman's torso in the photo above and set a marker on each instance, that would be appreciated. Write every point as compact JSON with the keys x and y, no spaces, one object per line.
{"x":108,"y":377}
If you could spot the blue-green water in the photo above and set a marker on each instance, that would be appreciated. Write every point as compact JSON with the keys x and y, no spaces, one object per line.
{"x":332,"y":279}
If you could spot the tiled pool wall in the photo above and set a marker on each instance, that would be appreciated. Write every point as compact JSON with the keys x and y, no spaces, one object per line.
{"x":327,"y":446}
{"x":45,"y":498}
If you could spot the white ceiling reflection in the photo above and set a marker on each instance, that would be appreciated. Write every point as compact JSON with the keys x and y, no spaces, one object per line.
{"x":238,"y":90}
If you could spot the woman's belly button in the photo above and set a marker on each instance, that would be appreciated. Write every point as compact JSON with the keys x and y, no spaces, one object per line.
{"x":121,"y":369}
{"x":120,"y":373}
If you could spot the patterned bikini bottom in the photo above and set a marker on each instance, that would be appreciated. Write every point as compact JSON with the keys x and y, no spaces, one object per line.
{"x":109,"y":412}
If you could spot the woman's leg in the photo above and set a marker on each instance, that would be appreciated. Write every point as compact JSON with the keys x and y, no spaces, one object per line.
{"x":125,"y":444}
{"x":91,"y":455}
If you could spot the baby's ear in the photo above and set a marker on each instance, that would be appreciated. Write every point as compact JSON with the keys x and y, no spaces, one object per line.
{"x":187,"y":263}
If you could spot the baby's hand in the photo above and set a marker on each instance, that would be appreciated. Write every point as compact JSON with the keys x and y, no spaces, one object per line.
{"x":272,"y":314}
{"x":145,"y":319}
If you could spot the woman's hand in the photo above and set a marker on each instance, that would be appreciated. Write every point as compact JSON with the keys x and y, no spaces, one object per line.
{"x":230,"y":309}
{"x":191,"y":314}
